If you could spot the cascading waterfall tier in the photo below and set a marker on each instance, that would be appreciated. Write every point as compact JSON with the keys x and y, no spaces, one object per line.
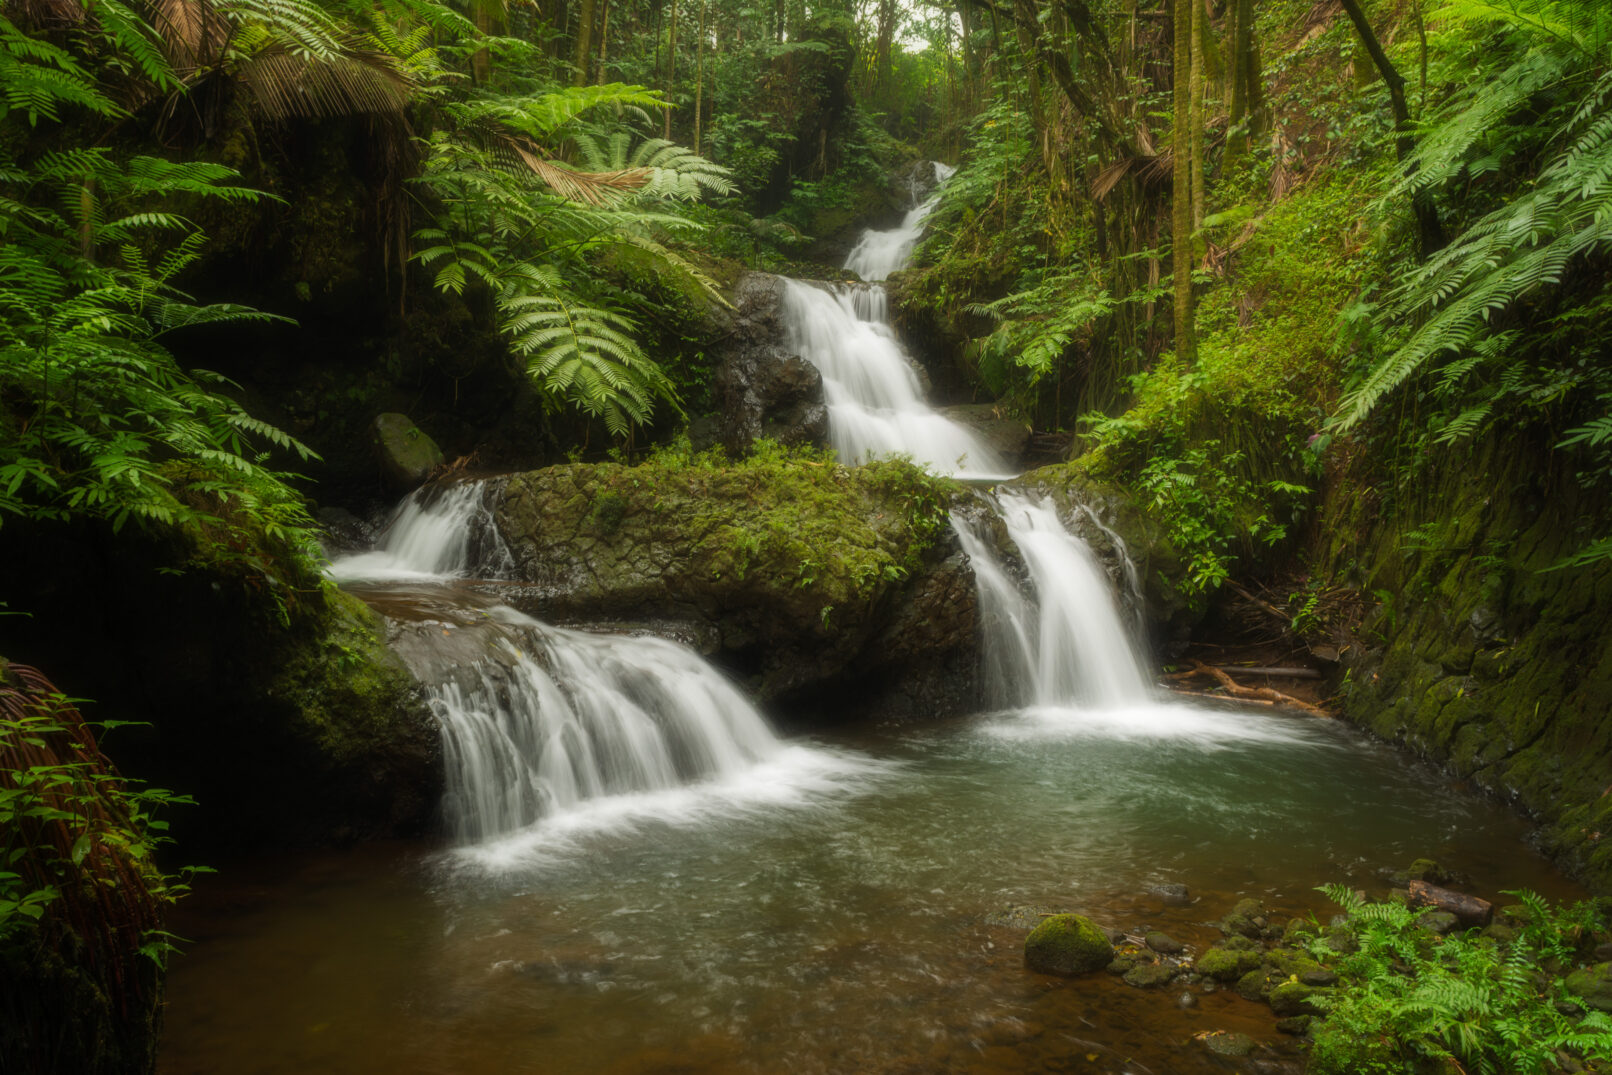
{"x":1063,"y":644}
{"x":875,"y":400}
{"x":538,"y":720}
{"x":548,"y":718}
{"x":880,"y":253}
{"x":437,"y":532}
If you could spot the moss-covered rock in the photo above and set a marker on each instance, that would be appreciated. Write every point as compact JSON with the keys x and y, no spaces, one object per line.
{"x":1593,"y":985}
{"x":808,"y":578}
{"x":1295,"y":998}
{"x":1479,"y":650}
{"x":406,"y":454}
{"x":1226,"y":965}
{"x":1067,"y":944}
{"x":1151,"y":975}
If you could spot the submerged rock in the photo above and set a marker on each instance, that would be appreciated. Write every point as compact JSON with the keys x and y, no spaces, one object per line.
{"x":1150,"y":975}
{"x":1160,"y":941}
{"x":1067,"y":944}
{"x":1229,"y":1043}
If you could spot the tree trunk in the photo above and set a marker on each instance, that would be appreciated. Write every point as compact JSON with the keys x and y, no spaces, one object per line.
{"x":1186,"y":348}
{"x":1430,"y":230}
{"x":604,"y":40}
{"x":881,"y":51}
{"x":699,"y":78}
{"x":671,"y":70}
{"x":1200,"y":55}
{"x":584,"y":44}
{"x":1242,"y":73}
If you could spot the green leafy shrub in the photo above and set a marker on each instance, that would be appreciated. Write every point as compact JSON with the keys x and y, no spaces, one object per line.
{"x":1409,"y":1001}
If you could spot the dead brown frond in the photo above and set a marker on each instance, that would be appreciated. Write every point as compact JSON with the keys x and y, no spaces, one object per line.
{"x":287,"y":85}
{"x":193,"y":34}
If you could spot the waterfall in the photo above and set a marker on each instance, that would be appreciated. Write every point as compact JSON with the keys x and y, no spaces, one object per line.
{"x":875,"y":400}
{"x":550,"y":718}
{"x":540,"y":723}
{"x":1064,"y":646}
{"x":436,"y":532}
{"x":881,"y":253}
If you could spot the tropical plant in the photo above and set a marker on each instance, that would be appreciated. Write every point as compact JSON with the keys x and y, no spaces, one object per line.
{"x":1406,"y":997}
{"x":518,"y":223}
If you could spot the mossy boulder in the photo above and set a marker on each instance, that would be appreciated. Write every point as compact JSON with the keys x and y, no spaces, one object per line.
{"x":273,"y":700}
{"x":1593,"y":985}
{"x":1226,"y":965}
{"x":808,"y":579}
{"x":404,"y":453}
{"x":1067,"y":945}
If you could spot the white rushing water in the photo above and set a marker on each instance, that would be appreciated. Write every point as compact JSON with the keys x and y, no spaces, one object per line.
{"x":552,"y":718}
{"x":875,"y":399}
{"x":881,"y":253}
{"x":437,"y":532}
{"x":548,"y":731}
{"x":1063,"y":645}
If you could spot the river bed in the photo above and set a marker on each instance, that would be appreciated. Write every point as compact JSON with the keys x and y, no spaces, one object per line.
{"x":826,"y":912}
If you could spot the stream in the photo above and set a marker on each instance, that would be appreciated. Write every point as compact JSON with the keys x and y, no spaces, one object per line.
{"x":643,"y":877}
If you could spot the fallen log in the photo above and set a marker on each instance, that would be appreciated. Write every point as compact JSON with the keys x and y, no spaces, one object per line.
{"x":1293,"y":672}
{"x":1469,"y":909}
{"x":1237,"y":690}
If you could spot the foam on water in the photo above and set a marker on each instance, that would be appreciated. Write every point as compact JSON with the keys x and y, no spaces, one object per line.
{"x":435,"y":533}
{"x":794,"y":777}
{"x":1207,"y":729}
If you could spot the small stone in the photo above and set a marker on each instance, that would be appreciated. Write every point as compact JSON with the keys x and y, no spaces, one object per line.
{"x":1502,"y":933}
{"x":1149,"y":975}
{"x":1428,"y":870}
{"x":1228,"y":1043}
{"x":1122,"y":964}
{"x":1441,"y":923}
{"x":1160,"y":941}
{"x":1187,"y":1000}
{"x":1319,"y":976}
{"x":1294,"y":1024}
{"x":1067,"y":944}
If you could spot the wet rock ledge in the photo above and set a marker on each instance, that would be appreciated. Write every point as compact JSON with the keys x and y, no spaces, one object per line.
{"x":827,"y":589}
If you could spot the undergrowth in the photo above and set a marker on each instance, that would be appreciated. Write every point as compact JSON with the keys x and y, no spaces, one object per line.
{"x":1496,"y":1002}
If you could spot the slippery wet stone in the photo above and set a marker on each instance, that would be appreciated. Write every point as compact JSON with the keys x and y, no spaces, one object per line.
{"x":1067,"y":944}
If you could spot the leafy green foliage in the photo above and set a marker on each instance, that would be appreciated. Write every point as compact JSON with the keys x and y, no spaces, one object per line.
{"x":1407,"y":998}
{"x":517,"y":225}
{"x":97,"y":418}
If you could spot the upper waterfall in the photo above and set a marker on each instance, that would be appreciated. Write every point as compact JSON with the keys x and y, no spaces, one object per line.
{"x":881,"y":253}
{"x":875,"y":401}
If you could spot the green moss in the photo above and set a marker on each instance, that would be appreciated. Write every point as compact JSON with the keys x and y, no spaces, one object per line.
{"x":1067,"y":944}
{"x":1226,"y":965}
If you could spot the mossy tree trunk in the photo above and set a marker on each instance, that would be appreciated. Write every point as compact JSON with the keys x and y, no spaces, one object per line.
{"x":1181,"y":209}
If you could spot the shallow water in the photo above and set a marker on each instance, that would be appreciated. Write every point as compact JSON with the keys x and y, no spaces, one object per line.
{"x":822,"y":914}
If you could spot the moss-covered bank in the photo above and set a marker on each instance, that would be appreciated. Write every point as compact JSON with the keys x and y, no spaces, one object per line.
{"x":272,"y":700}
{"x":1481,"y":652}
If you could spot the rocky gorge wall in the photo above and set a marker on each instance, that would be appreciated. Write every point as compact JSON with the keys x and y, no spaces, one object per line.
{"x":1482,"y":652}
